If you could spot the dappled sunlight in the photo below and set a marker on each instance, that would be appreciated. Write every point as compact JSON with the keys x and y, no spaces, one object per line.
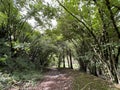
{"x":59,"y":44}
{"x":55,"y":80}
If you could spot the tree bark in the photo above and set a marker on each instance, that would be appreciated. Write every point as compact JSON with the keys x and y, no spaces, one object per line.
{"x":59,"y":60}
{"x":63,"y":58}
{"x":70,"y":55}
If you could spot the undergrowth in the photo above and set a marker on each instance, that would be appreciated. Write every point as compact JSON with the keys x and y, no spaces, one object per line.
{"x":84,"y":81}
{"x":18,"y":79}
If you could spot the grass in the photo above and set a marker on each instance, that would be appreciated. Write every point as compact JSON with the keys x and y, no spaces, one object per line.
{"x":29,"y":78}
{"x":17,"y":79}
{"x":84,"y":81}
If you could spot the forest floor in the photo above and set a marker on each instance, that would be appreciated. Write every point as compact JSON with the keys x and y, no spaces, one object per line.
{"x":68,"y":79}
{"x":55,"y":79}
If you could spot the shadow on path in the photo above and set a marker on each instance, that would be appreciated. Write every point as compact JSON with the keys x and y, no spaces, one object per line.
{"x":55,"y":79}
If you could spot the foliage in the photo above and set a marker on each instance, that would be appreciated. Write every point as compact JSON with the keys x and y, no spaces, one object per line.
{"x":86,"y":31}
{"x":18,"y":40}
{"x":16,"y":79}
{"x":90,"y":26}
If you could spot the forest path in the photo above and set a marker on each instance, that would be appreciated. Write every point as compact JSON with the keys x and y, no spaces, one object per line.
{"x":64,"y":79}
{"x":69,"y":79}
{"x":55,"y":79}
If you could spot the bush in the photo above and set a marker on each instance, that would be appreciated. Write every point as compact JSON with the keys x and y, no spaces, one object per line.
{"x":19,"y":63}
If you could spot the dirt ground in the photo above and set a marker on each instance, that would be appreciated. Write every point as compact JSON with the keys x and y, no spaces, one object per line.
{"x":55,"y":80}
{"x":62,"y":79}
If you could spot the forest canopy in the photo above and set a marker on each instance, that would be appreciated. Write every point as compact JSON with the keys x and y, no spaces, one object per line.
{"x":86,"y":32}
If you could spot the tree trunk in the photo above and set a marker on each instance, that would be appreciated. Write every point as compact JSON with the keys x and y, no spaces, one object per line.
{"x":68,"y":58}
{"x":82,"y":66}
{"x":63,"y":59}
{"x":117,"y":57}
{"x":70,"y":55}
{"x":59,"y":61}
{"x":68,"y":61}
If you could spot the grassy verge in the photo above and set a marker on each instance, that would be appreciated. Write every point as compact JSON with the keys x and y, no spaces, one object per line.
{"x":84,"y":81}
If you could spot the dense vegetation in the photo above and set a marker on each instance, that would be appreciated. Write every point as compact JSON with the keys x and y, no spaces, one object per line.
{"x":87,"y":31}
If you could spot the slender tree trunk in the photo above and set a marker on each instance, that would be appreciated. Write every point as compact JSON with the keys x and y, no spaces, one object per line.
{"x":63,"y":58}
{"x":59,"y":61}
{"x":9,"y":30}
{"x":82,"y":66}
{"x":70,"y":55}
{"x":107,"y":53}
{"x":117,"y":58}
{"x":68,"y":61}
{"x":67,"y":56}
{"x":112,"y":18}
{"x":114,"y":62}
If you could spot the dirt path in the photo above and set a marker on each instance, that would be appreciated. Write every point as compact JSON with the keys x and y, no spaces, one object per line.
{"x":55,"y":80}
{"x":63,"y":79}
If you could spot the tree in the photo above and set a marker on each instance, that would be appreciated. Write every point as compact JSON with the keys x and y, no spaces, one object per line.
{"x":94,"y":18}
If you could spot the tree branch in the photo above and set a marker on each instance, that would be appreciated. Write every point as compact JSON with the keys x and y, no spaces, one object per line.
{"x":112,"y":18}
{"x":89,"y":30}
